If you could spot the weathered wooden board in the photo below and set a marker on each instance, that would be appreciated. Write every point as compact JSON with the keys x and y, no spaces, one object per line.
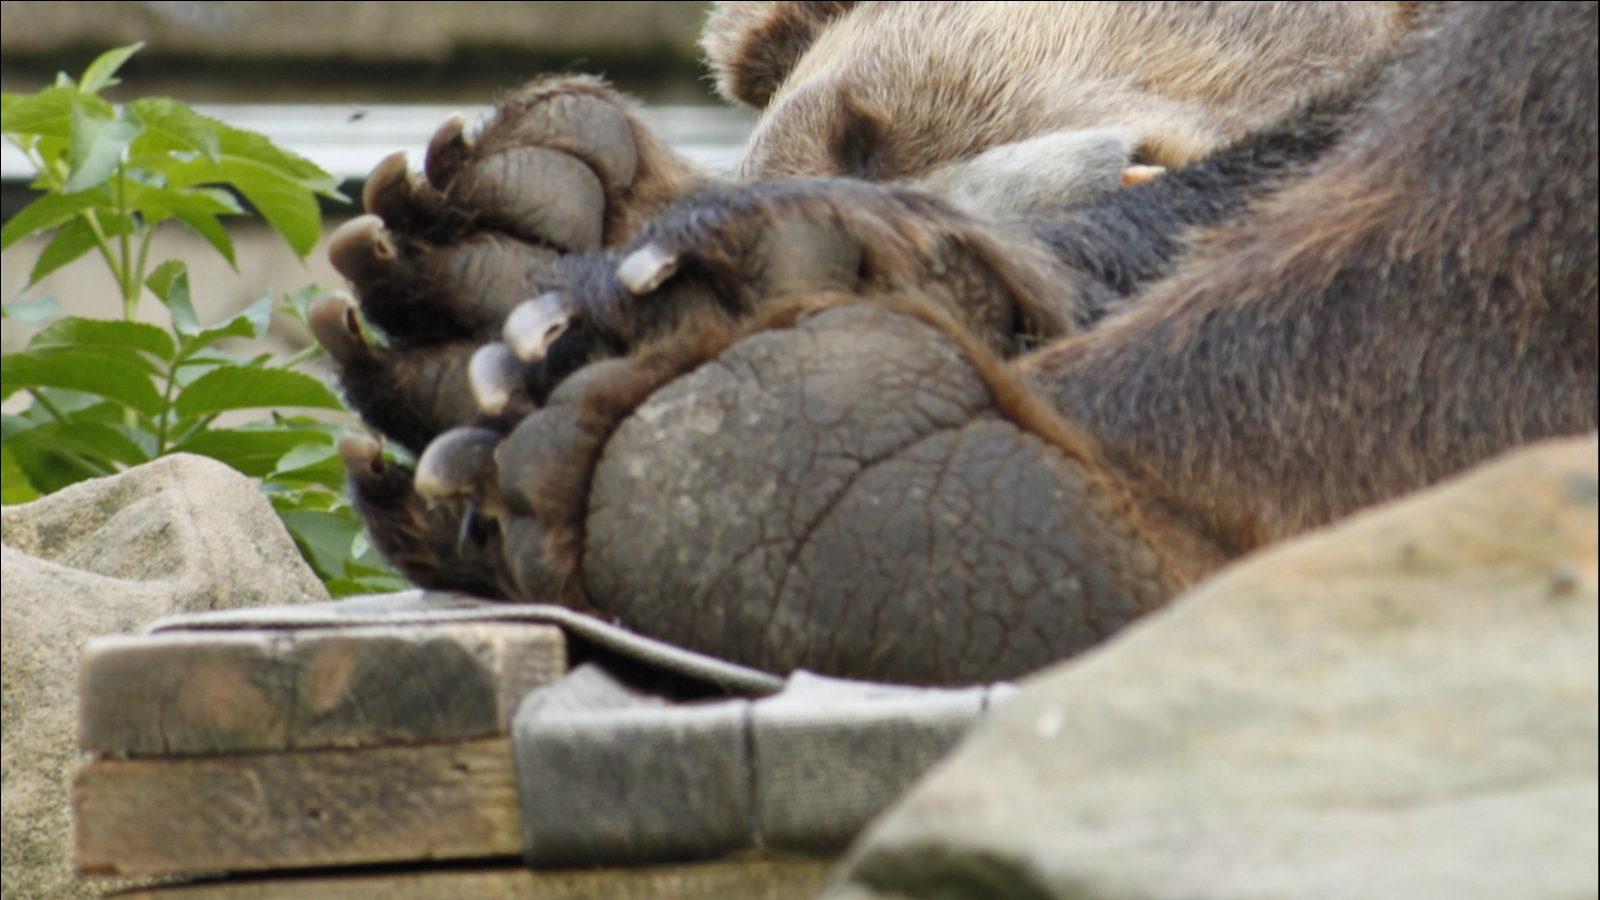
{"x":757,"y":879}
{"x":297,"y":810}
{"x":209,"y":693}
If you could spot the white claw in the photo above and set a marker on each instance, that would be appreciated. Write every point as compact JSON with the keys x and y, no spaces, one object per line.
{"x":454,"y":463}
{"x":535,"y":324}
{"x":1133,"y":175}
{"x":492,"y":374}
{"x":643,"y":270}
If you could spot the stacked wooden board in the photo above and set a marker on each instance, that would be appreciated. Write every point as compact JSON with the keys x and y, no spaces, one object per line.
{"x":337,"y":762}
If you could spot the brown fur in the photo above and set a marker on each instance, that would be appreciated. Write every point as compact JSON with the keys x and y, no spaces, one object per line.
{"x":891,"y":91}
{"x":1426,"y":300}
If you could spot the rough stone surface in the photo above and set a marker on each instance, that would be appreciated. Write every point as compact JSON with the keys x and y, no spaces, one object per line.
{"x":180,"y":534}
{"x":1401,"y":706}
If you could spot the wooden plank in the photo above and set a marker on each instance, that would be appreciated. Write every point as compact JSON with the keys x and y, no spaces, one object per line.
{"x":209,"y":693}
{"x":740,"y":879}
{"x":296,"y":810}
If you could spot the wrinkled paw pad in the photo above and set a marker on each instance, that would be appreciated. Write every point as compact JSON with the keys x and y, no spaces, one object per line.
{"x":533,"y":482}
{"x":847,"y":496}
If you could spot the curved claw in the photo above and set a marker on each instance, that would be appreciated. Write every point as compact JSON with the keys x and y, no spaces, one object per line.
{"x":334,"y":324}
{"x":535,"y":324}
{"x":494,"y":373}
{"x":456,"y":464}
{"x":362,"y":455}
{"x":362,"y":251}
{"x":645,"y":269}
{"x":447,"y":151}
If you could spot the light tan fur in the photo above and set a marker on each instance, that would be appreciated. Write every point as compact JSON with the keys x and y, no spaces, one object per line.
{"x":919,"y":91}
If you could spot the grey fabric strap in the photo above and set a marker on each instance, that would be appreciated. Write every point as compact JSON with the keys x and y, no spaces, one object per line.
{"x":615,"y":778}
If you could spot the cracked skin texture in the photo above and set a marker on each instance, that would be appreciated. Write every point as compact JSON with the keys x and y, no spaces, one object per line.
{"x":844,"y":496}
{"x":698,"y":437}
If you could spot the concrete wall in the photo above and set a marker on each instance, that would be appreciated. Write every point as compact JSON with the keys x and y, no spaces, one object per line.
{"x":361,"y":31}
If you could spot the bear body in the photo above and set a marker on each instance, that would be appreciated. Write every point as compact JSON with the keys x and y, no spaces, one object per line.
{"x":879,"y":430}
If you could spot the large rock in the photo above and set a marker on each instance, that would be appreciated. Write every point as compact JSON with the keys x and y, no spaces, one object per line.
{"x":181,"y":534}
{"x":1401,"y":706}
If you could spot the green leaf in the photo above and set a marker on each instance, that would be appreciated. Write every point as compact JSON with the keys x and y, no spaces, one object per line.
{"x":170,"y":283}
{"x":49,"y":471}
{"x":236,"y":387}
{"x":99,"y":74}
{"x":93,"y":441}
{"x":255,"y":452}
{"x":170,"y":125}
{"x":49,"y":211}
{"x":48,"y":112}
{"x":288,"y":206}
{"x":114,"y":377}
{"x":311,"y":464}
{"x":98,"y":142}
{"x":324,"y":538}
{"x":11,"y":426}
{"x":35,"y":312}
{"x":257,"y":148}
{"x":82,"y":333}
{"x":298,"y":304}
{"x":73,"y":240}
{"x":14,"y":484}
{"x":196,"y":207}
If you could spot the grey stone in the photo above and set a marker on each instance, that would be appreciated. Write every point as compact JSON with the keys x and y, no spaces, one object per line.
{"x":180,"y":534}
{"x":1401,"y":706}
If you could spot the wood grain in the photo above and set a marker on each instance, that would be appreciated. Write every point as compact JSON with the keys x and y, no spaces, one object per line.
{"x":211,"y":693}
{"x":758,"y":879}
{"x":297,"y":810}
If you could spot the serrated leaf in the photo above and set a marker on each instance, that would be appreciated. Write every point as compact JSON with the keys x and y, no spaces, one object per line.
{"x":49,"y":211}
{"x":289,"y":207}
{"x":255,"y":452}
{"x":80,"y":333}
{"x":71,"y":241}
{"x":93,"y":441}
{"x":257,"y":148}
{"x":235,"y":387}
{"x":170,"y":283}
{"x":172,"y":125}
{"x":48,"y":112}
{"x":112,"y":376}
{"x":196,"y":207}
{"x":101,"y":72}
{"x":35,"y":312}
{"x":98,"y":143}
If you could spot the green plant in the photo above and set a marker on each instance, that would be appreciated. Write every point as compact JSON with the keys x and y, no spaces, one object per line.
{"x":108,"y":394}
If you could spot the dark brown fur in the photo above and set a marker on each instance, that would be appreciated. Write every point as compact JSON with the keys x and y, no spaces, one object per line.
{"x":1425,"y":301}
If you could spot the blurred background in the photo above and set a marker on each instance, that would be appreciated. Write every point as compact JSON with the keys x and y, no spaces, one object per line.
{"x":344,"y":84}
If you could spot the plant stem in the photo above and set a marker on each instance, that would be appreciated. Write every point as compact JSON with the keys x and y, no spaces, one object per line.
{"x":125,"y":274}
{"x":300,"y":356}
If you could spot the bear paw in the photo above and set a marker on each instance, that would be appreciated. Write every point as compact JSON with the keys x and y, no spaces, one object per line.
{"x":441,"y":258}
{"x":866,"y":492}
